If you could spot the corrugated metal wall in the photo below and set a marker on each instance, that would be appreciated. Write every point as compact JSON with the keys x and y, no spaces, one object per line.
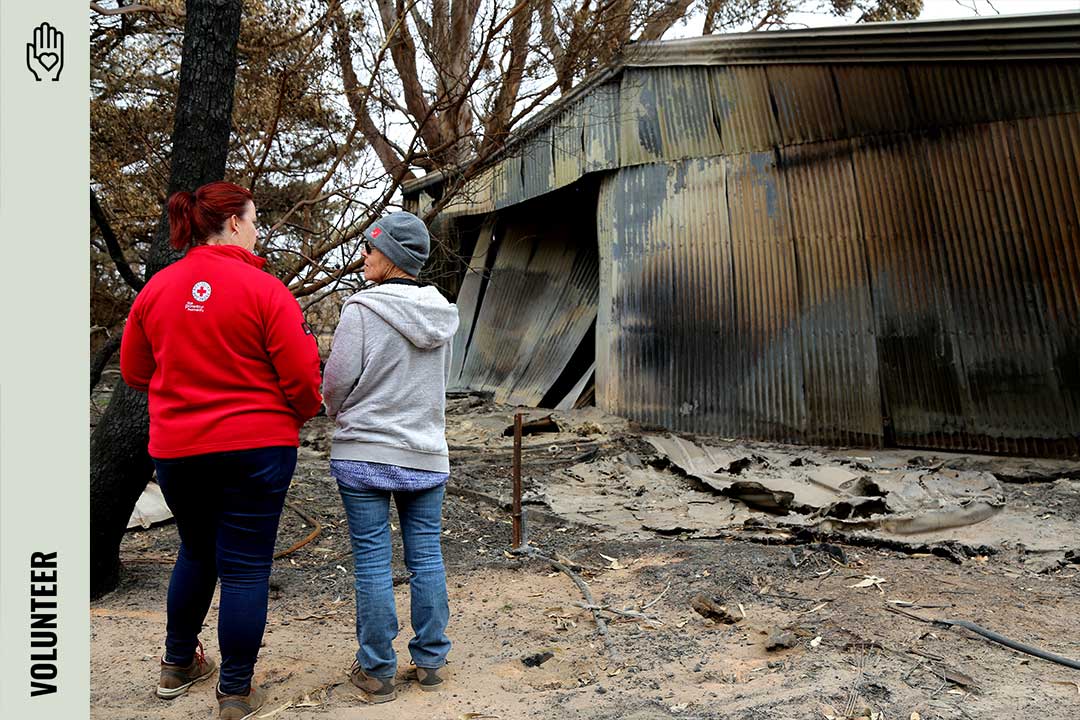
{"x":728,"y":309}
{"x":920,"y":285}
{"x":767,"y":383}
{"x":837,"y":253}
{"x":653,"y":276}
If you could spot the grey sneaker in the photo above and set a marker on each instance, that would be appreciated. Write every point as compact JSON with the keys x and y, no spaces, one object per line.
{"x":377,"y":690}
{"x":176,"y":679}
{"x":429,"y":679}
{"x":239,"y":707}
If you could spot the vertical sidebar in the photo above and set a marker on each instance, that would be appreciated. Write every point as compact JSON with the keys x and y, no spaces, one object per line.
{"x":44,"y":418}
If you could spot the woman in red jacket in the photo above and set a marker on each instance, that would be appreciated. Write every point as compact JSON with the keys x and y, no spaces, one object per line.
{"x":232,"y":372}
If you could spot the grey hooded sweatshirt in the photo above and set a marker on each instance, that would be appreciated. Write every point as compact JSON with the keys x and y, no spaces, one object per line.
{"x":385,"y":380}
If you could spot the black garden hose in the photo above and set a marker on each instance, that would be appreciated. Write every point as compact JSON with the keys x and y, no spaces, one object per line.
{"x":1019,"y":646}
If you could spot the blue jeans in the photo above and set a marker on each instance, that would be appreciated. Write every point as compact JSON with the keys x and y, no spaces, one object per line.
{"x":420,"y":514}
{"x":227,"y":507}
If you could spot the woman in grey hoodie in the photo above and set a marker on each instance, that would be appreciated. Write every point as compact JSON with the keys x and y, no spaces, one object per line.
{"x":385,"y":386}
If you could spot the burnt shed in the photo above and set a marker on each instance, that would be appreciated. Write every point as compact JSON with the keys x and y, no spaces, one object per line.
{"x":864,"y":235}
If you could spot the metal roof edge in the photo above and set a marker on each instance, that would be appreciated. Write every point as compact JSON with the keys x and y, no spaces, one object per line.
{"x":596,"y":78}
{"x":903,"y":40}
{"x":1054,"y":35}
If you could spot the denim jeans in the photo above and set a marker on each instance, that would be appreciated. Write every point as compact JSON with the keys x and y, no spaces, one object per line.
{"x":420,"y":513}
{"x":227,"y":507}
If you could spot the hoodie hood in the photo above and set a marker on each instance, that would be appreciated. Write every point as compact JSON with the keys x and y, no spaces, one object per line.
{"x":421,"y":314}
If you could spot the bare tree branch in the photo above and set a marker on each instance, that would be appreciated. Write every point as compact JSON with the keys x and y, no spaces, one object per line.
{"x":129,"y":9}
{"x":661,"y":21}
{"x":497,"y":125}
{"x":115,"y":252}
{"x":403,"y":53}
{"x":554,"y":46}
{"x":357,"y":96}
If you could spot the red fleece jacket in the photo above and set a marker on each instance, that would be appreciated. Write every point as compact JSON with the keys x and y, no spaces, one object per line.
{"x":225,"y":354}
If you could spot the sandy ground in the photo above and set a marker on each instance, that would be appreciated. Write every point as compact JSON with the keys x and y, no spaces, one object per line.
{"x":850,"y":657}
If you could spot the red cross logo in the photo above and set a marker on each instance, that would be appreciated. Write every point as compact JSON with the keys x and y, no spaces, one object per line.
{"x":201,"y":291}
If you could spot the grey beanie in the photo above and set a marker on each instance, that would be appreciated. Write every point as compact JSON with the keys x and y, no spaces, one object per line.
{"x":402,"y":237}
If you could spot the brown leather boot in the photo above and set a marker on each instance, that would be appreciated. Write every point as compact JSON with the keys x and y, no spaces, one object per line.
{"x":429,"y":679}
{"x":377,"y":690}
{"x":176,"y":679}
{"x":239,"y":707}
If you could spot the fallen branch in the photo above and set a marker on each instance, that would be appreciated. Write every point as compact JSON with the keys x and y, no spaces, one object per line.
{"x":990,"y":635}
{"x":311,"y":536}
{"x":616,"y":611}
{"x":305,"y":700}
{"x":783,"y":596}
{"x":656,"y":599}
{"x":601,"y":625}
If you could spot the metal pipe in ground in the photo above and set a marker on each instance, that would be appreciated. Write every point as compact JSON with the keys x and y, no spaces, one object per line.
{"x":516,"y":516}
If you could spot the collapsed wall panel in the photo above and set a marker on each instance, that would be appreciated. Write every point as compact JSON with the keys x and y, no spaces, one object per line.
{"x":533,"y":304}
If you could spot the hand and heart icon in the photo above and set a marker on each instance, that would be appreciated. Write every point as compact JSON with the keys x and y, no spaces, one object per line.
{"x":45,"y":56}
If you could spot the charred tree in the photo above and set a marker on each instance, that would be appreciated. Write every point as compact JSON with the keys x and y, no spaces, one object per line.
{"x":102,"y":357}
{"x":119,"y":464}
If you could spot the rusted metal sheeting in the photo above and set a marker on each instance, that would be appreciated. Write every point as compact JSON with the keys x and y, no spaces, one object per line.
{"x":1035,"y":89}
{"x":600,"y":128}
{"x":878,"y":100}
{"x":972,"y":243}
{"x":954,"y":94}
{"x":701,"y":314}
{"x":671,"y":113}
{"x":609,"y":310}
{"x":1046,"y":162}
{"x":874,"y":99}
{"x":567,"y":147}
{"x":506,"y":184}
{"x":585,"y":136}
{"x":932,"y":282}
{"x":743,"y":109}
{"x":769,"y":380}
{"x":537,"y":165}
{"x":666,"y":114}
{"x":581,"y":139}
{"x":639,"y":120}
{"x":698,"y":328}
{"x":469,"y":298}
{"x":806,"y":104}
{"x":1012,"y":375}
{"x":633,"y":364}
{"x":473,"y":199}
{"x":537,"y":306}
{"x":820,"y":103}
{"x":917,"y":354}
{"x":661,"y":230}
{"x":837,"y":326}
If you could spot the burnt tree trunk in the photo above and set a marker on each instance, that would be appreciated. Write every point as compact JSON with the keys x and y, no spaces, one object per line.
{"x":102,"y":357}
{"x":119,"y":464}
